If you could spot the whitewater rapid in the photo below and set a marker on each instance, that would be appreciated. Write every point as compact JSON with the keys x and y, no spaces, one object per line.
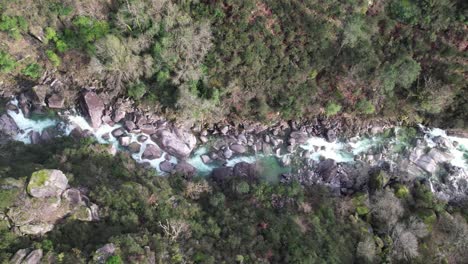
{"x":317,"y":147}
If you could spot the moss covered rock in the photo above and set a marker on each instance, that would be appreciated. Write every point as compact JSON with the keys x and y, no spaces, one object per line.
{"x":47,"y":183}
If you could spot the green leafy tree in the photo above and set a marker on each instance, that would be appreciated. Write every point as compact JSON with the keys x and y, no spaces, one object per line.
{"x":7,"y":63}
{"x":365,"y":107}
{"x":332,"y":109}
{"x":33,"y":70}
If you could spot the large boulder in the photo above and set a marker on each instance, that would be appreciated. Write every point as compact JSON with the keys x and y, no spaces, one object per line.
{"x":166,"y":166}
{"x":36,"y":229}
{"x":8,"y":125}
{"x":47,"y":183}
{"x":429,"y":162}
{"x":56,"y":101}
{"x":327,"y":169}
{"x":19,"y":256}
{"x":299,"y":137}
{"x":39,"y":92}
{"x":238,"y":148}
{"x":220,"y":175}
{"x":94,"y":108}
{"x":185,"y":169}
{"x":34,"y":257}
{"x":134,"y":147}
{"x":178,"y":143}
{"x":245,"y":170}
{"x":103,"y":253}
{"x":151,"y":152}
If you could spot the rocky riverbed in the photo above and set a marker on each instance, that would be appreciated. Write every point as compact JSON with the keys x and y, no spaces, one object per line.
{"x":313,"y":153}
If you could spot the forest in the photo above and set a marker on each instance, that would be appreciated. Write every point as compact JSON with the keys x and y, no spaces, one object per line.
{"x":176,"y":220}
{"x":206,"y":61}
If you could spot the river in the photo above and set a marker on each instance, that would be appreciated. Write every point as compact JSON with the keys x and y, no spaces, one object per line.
{"x":317,"y":148}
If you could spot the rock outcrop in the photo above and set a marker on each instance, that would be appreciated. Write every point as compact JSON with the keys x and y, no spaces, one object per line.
{"x":8,"y":125}
{"x":47,"y":183}
{"x":51,"y":201}
{"x":93,"y":106}
{"x":178,"y":143}
{"x":151,"y":152}
{"x":56,"y":101}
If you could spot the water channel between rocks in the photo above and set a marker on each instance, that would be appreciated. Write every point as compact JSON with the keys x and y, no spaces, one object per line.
{"x":268,"y":165}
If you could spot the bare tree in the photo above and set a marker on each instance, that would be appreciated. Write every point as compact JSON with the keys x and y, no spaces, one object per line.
{"x":386,"y":209}
{"x":405,"y":244}
{"x":173,"y":229}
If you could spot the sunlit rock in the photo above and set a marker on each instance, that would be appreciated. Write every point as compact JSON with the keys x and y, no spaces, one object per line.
{"x":47,"y":183}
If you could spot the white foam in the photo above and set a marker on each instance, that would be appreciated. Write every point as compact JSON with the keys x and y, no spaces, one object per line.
{"x":27,"y":125}
{"x":330,"y":150}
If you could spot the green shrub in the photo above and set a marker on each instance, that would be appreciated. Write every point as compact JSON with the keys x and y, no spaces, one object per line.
{"x":332,"y":109}
{"x":405,"y":10}
{"x":137,"y":91}
{"x":114,"y":260}
{"x":7,"y":63}
{"x":8,"y":197}
{"x":365,"y":107}
{"x":402,"y":191}
{"x":14,"y":25}
{"x":33,"y":70}
{"x":242,"y":187}
{"x":53,"y":57}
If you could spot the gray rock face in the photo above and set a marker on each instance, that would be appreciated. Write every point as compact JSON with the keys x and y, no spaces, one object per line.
{"x":327,"y":169}
{"x":178,"y":143}
{"x":227,"y":153}
{"x":34,"y":257}
{"x":238,"y":148}
{"x":299,"y":137}
{"x":121,"y":109}
{"x":331,"y":135}
{"x":185,"y":169}
{"x":130,"y":125}
{"x":73,"y":196}
{"x":47,"y":183}
{"x":151,"y":152}
{"x":219,"y":175}
{"x":94,"y":108}
{"x":118,"y":132}
{"x":134,"y":147}
{"x":429,"y":162}
{"x":56,"y":101}
{"x":245,"y":170}
{"x":103,"y":253}
{"x":166,"y":166}
{"x":19,"y":256}
{"x":8,"y":125}
{"x":36,"y":229}
{"x":37,"y":215}
{"x":124,"y":141}
{"x":40,"y":92}
{"x":205,"y":159}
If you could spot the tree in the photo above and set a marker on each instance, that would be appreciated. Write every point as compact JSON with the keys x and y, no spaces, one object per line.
{"x":366,"y":250}
{"x":332,"y":109}
{"x":7,"y":63}
{"x":405,"y":244}
{"x":365,"y":107}
{"x":386,"y":209}
{"x":408,"y":71}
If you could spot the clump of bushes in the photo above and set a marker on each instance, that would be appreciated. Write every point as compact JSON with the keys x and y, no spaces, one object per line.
{"x":332,"y":109}
{"x":7,"y":63}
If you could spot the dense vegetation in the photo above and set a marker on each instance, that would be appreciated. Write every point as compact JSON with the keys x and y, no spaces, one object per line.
{"x":203,"y":60}
{"x":236,"y":221}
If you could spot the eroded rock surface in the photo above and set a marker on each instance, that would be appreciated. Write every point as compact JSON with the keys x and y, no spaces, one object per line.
{"x":178,"y":143}
{"x":94,"y":108}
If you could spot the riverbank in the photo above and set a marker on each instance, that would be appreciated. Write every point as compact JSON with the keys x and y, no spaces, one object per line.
{"x":312,"y":153}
